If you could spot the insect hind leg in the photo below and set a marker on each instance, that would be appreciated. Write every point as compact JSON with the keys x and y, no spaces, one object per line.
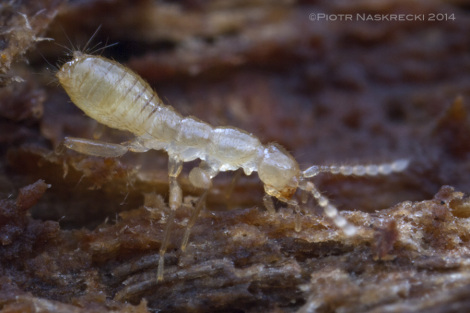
{"x":100,"y":148}
{"x":93,"y":147}
{"x":197,"y":209}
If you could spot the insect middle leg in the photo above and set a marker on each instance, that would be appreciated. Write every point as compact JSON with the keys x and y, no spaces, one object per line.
{"x":200,"y":177}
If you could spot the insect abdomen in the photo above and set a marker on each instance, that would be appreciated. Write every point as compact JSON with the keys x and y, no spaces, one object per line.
{"x":109,"y":93}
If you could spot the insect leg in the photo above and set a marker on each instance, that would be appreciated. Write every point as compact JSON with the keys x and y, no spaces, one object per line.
{"x":200,"y":203}
{"x":101,"y":148}
{"x":200,"y":177}
{"x":292,"y":204}
{"x":229,"y":191}
{"x":94,"y":147}
{"x":176,"y":196}
{"x":269,"y":204}
{"x":297,"y":223}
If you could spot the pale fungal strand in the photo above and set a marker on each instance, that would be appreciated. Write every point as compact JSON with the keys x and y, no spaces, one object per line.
{"x":115,"y":96}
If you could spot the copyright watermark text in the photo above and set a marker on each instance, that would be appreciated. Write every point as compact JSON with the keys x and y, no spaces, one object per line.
{"x":367,"y":17}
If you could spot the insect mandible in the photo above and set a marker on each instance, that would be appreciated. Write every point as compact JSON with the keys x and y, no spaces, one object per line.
{"x":117,"y":97}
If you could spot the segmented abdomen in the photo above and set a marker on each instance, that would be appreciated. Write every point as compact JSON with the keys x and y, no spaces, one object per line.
{"x":110,"y":93}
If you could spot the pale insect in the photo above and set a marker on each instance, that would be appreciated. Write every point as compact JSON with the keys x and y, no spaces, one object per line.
{"x":115,"y":96}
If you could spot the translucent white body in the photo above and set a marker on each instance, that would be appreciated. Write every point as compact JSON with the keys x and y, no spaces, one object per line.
{"x":118,"y":98}
{"x":115,"y":96}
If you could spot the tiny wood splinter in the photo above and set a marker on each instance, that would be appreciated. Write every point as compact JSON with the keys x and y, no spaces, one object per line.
{"x":116,"y":97}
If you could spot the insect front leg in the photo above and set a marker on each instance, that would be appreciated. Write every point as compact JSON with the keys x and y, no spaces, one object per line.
{"x":292,"y":204}
{"x":175,"y":199}
{"x":269,"y":203}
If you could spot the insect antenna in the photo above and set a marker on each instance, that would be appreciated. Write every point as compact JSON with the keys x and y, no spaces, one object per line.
{"x":329,"y":209}
{"x":358,"y":170}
